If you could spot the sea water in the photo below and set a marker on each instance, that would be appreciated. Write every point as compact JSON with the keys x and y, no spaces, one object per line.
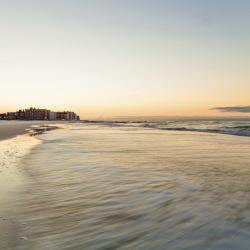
{"x":116,"y":185}
{"x":12,"y":178}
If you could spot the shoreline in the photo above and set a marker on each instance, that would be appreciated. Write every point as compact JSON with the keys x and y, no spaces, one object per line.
{"x":12,"y":179}
{"x":11,"y":129}
{"x":20,"y":140}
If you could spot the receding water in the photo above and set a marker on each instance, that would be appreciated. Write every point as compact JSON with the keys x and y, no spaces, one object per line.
{"x":125,"y":187}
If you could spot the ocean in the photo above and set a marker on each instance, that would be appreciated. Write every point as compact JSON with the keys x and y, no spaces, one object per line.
{"x":130,"y":184}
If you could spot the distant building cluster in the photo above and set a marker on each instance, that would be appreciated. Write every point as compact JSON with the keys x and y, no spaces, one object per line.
{"x":40,"y":114}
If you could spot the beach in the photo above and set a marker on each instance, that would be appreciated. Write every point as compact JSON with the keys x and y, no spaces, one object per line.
{"x":15,"y":143}
{"x":129,"y":186}
{"x":125,"y":125}
{"x":10,"y":129}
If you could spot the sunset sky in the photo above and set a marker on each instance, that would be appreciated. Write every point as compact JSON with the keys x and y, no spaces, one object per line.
{"x":125,"y":57}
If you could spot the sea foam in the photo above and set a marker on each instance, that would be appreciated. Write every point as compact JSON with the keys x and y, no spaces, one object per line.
{"x":11,"y":153}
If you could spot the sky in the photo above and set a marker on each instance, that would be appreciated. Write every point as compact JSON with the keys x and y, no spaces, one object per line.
{"x":105,"y":58}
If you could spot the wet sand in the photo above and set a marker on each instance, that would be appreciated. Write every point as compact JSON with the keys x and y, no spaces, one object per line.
{"x":14,"y":144}
{"x":11,"y":177}
{"x":10,"y":129}
{"x":103,"y":187}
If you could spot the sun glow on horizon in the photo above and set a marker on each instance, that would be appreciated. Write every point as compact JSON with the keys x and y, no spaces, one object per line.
{"x":122,"y":58}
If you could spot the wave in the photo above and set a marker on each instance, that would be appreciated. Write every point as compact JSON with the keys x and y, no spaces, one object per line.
{"x":11,"y":153}
{"x":238,"y":131}
{"x":236,"y":128}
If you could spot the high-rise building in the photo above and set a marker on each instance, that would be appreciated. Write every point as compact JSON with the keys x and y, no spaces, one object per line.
{"x":67,"y":115}
{"x":39,"y":114}
{"x":20,"y":115}
{"x":52,"y":115}
{"x":36,"y":114}
{"x":3,"y":116}
{"x":11,"y":116}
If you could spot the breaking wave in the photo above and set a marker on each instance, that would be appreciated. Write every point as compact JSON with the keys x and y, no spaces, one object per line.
{"x":229,"y":127}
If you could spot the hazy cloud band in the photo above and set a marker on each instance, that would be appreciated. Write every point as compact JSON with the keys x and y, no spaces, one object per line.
{"x":240,"y":109}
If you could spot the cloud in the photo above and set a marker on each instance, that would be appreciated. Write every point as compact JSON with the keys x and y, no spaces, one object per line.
{"x":239,"y":109}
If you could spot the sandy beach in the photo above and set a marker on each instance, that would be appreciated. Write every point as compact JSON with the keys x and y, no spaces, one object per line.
{"x":90,"y":186}
{"x":10,"y":129}
{"x":109,"y":186}
{"x":14,"y":144}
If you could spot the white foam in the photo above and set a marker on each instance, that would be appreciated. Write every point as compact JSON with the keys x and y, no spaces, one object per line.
{"x":11,"y":153}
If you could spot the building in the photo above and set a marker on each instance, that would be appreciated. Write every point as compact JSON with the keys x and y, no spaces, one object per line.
{"x":3,"y":116}
{"x":11,"y":116}
{"x":52,"y":115}
{"x":20,"y":115}
{"x":72,"y":116}
{"x":39,"y":114}
{"x":61,"y":115}
{"x":67,"y":115}
{"x":36,"y":114}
